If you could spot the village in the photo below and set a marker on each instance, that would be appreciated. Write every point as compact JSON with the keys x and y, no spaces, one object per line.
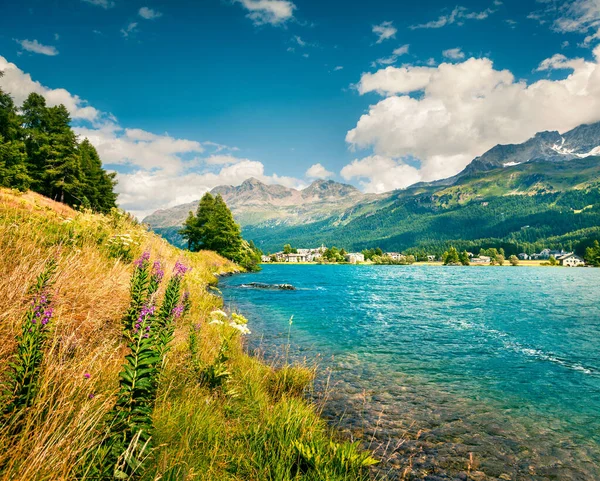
{"x":321,"y":255}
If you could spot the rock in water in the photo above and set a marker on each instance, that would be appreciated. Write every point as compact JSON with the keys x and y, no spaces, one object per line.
{"x":261,"y":285}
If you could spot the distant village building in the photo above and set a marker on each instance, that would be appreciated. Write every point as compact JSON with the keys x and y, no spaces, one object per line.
{"x":396,"y":256}
{"x":431,"y":258}
{"x":547,"y":253}
{"x":524,"y":257}
{"x":570,"y":260}
{"x":481,"y":260}
{"x":355,"y":258}
{"x":265,"y":259}
{"x":295,"y":258}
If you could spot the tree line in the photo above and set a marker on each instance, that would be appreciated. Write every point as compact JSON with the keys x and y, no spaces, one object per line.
{"x":40,"y":151}
{"x":213,"y":228}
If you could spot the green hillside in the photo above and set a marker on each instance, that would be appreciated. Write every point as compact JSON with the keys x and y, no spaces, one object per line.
{"x":524,"y":208}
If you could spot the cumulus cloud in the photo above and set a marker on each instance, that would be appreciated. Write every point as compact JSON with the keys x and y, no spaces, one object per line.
{"x":317,"y":171}
{"x":454,"y":54}
{"x":384,"y":31}
{"x":20,"y":84}
{"x":458,"y":111}
{"x":273,"y":12}
{"x":148,"y":13}
{"x":457,"y":16}
{"x":378,"y":173}
{"x":154,"y":170}
{"x":36,"y":47}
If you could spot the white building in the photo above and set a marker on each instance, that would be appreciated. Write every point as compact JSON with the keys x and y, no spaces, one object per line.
{"x":265,"y":258}
{"x":481,"y":260}
{"x":355,"y":258}
{"x":396,"y":256}
{"x":570,"y":260}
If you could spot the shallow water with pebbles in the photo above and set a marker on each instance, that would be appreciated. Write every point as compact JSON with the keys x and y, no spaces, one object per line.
{"x":481,"y":373}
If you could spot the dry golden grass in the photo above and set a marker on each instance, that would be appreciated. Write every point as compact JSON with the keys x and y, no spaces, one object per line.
{"x":246,"y":432}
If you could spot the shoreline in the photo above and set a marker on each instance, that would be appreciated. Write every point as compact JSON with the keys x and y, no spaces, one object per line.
{"x":428,"y":264}
{"x":369,"y":416}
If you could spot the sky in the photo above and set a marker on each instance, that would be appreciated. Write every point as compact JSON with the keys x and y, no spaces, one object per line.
{"x":182,"y":96}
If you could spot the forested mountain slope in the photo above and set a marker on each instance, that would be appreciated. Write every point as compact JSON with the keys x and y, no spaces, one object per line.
{"x":542,"y":193}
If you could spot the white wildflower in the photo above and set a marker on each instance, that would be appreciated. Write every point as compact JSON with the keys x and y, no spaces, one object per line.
{"x":216,"y":321}
{"x":219,"y":313}
{"x":240,"y":327}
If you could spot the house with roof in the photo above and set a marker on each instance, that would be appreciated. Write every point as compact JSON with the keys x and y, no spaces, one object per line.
{"x":570,"y":260}
{"x":355,"y":258}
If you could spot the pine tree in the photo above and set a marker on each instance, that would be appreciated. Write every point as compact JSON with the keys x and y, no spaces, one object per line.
{"x":222,"y":234}
{"x":98,"y":185}
{"x":36,"y":138}
{"x":214,"y":228}
{"x":63,"y":175}
{"x":195,"y":227}
{"x":13,"y":157}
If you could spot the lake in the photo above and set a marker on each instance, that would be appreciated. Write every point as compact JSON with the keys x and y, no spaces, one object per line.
{"x":446,"y":371}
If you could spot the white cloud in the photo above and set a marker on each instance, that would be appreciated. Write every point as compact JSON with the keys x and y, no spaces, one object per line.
{"x":395,"y":80}
{"x":101,"y":3}
{"x":457,"y":16}
{"x":338,"y":68}
{"x":454,"y":54}
{"x":149,"y":14}
{"x":131,"y":28}
{"x":156,"y":170}
{"x":403,"y":50}
{"x":574,"y":16}
{"x":384,"y":31}
{"x":379,"y":174}
{"x":20,"y":85}
{"x":398,"y":52}
{"x":273,"y":12}
{"x":36,"y":47}
{"x":220,"y":159}
{"x":317,"y":171}
{"x":459,"y":111}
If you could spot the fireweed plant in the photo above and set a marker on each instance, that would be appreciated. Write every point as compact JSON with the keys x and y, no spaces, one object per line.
{"x":148,"y":330}
{"x":21,"y":386}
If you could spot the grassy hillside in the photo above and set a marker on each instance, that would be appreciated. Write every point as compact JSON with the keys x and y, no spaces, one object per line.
{"x":252,"y":425}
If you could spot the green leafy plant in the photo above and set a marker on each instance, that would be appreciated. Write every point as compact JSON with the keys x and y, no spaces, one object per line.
{"x":333,"y":459}
{"x":22,"y":384}
{"x":147,"y":331}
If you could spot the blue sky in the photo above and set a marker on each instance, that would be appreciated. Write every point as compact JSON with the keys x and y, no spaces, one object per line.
{"x":180,"y":96}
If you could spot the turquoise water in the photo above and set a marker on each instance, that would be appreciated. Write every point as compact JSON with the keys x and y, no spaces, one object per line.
{"x":501,"y":362}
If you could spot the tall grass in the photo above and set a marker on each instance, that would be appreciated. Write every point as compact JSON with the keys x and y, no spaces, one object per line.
{"x":255,"y":425}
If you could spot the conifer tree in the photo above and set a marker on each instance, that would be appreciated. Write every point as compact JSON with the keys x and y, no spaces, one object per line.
{"x":214,"y":228}
{"x":40,"y":151}
{"x":13,"y":168}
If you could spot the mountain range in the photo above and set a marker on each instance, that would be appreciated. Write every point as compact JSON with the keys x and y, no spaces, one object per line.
{"x":544,"y":192}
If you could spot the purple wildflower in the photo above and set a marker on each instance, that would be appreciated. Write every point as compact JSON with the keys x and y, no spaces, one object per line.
{"x":47,"y":316}
{"x":177,"y":311}
{"x":157,"y":271}
{"x":92,"y":395}
{"x":40,"y":310}
{"x":179,"y":270}
{"x":142,"y":260}
{"x":147,"y":311}
{"x":87,"y":375}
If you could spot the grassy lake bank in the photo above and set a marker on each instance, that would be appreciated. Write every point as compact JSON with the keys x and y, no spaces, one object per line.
{"x":219,"y":414}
